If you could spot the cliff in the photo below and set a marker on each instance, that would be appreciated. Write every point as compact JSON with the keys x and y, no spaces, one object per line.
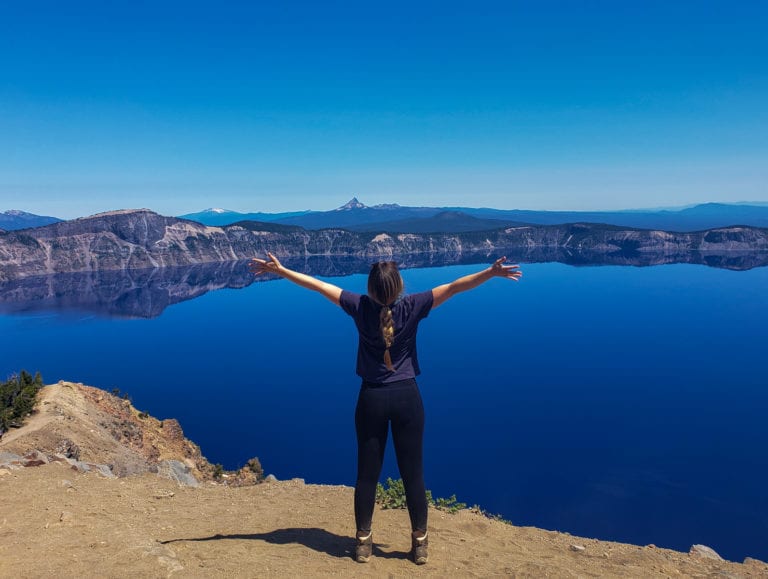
{"x":88,"y":429}
{"x":141,"y":239}
{"x":63,"y":518}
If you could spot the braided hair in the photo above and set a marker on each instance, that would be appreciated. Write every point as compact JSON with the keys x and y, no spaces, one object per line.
{"x":384,"y":286}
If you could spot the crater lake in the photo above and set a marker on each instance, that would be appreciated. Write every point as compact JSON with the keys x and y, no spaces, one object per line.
{"x":616,"y":402}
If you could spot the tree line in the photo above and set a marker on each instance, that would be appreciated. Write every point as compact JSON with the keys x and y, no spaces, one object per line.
{"x":17,"y":399}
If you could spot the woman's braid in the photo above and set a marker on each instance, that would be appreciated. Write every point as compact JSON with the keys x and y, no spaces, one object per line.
{"x":388,"y":333}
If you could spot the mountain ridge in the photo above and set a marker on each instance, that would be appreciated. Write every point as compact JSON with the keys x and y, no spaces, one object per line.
{"x":357,"y":216}
{"x":141,"y":239}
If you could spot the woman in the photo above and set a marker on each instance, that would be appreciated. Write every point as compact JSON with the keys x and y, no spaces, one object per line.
{"x":387,"y":321}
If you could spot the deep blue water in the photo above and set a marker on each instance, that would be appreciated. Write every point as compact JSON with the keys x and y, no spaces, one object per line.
{"x":613,"y":402}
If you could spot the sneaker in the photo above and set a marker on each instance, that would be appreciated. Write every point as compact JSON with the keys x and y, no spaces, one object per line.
{"x":364,"y":546}
{"x":419,"y":547}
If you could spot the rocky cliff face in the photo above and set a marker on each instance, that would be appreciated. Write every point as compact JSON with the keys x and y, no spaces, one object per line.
{"x":91,"y":430}
{"x":141,"y":239}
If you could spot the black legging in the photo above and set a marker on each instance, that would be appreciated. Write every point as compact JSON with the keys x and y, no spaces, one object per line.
{"x":378,"y":405}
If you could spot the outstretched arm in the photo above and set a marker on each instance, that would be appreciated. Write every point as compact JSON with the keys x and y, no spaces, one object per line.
{"x":441,"y":293}
{"x":273,"y":265}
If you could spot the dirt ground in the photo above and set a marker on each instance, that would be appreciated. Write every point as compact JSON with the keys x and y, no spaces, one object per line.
{"x":58,"y":522}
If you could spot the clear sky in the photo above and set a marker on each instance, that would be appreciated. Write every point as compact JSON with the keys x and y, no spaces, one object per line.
{"x":284,"y":105}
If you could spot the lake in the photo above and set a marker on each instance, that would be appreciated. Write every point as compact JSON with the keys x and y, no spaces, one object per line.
{"x":616,"y":402}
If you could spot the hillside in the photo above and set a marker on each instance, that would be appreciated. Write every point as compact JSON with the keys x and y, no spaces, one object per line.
{"x":141,"y":239}
{"x":67,"y":523}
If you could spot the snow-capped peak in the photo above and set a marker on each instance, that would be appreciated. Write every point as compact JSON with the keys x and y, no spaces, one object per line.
{"x":216,"y":210}
{"x":351,"y":204}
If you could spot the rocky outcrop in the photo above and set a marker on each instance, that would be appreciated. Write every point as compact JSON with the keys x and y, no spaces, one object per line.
{"x":92,"y":430}
{"x":141,"y":239}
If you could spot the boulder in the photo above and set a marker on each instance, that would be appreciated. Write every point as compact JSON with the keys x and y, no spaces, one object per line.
{"x":177,"y":471}
{"x":704,"y":552}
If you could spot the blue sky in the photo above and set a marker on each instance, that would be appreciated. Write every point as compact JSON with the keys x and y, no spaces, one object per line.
{"x":277,"y":106}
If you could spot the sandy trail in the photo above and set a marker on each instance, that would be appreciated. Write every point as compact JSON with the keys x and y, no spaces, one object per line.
{"x":68,"y":524}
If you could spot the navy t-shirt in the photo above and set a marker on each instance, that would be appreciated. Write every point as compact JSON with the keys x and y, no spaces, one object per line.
{"x":407,"y":312}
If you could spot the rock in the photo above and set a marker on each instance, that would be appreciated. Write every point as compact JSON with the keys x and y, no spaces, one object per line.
{"x":755,"y":562}
{"x":103,"y":470}
{"x":65,"y":517}
{"x":177,"y":471}
{"x":34,"y":458}
{"x":578,"y":548}
{"x":704,"y":552}
{"x":68,"y":449}
{"x":81,"y":466}
{"x":10,"y":460}
{"x":270,"y":478}
{"x":172,"y":429}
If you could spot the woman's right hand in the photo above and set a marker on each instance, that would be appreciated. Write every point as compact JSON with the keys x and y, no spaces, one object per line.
{"x":260,"y":266}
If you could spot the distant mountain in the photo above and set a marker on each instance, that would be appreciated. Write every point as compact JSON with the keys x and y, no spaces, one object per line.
{"x":697,"y":218}
{"x":351,"y":205}
{"x":13,"y":219}
{"x":356,"y":216}
{"x":215,"y":216}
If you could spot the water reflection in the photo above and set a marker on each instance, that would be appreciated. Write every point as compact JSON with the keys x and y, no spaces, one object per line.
{"x":146,"y":293}
{"x":137,"y":293}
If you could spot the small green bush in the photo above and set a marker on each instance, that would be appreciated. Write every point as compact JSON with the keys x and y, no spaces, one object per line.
{"x":393,"y":497}
{"x":450,"y":504}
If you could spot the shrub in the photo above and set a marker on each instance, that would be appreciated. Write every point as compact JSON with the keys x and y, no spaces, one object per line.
{"x":450,"y":504}
{"x":254,"y":465}
{"x":393,"y":497}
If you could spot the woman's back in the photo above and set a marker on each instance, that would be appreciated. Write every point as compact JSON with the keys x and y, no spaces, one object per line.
{"x":407,"y":312}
